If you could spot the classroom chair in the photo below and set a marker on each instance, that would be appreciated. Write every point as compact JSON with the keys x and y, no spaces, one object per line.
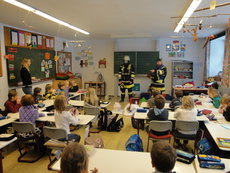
{"x":186,"y":126}
{"x":92,"y":110}
{"x":25,"y":132}
{"x":159,"y":127}
{"x":54,"y":134}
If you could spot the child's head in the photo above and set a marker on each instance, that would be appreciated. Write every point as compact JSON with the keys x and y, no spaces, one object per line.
{"x":48,"y":88}
{"x":27,"y":100}
{"x":37,"y":91}
{"x":60,"y":103}
{"x":225,"y":101}
{"x":212,"y":92}
{"x":215,"y":85}
{"x":163,"y":156}
{"x":72,"y":83}
{"x":155,"y":93}
{"x":159,"y":101}
{"x":74,"y":159}
{"x":61,"y":85}
{"x":151,"y":103}
{"x":188,"y":102}
{"x":12,"y":95}
{"x":179,"y":93}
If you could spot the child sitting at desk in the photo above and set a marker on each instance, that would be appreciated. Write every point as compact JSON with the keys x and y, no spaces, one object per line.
{"x":75,"y":159}
{"x":163,"y":157}
{"x":61,"y":88}
{"x":49,"y":92}
{"x":225,"y":106}
{"x":158,"y":112}
{"x":73,"y":87}
{"x":38,"y":98}
{"x":28,"y":112}
{"x":214,"y":95}
{"x":176,"y":102}
{"x":13,"y":103}
{"x":91,"y":97}
{"x":187,"y":112}
{"x":64,"y":118}
{"x":150,"y":101}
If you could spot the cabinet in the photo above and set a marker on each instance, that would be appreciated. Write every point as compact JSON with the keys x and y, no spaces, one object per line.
{"x":182,"y":72}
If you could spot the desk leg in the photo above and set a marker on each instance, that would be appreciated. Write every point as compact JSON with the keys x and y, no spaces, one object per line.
{"x":1,"y":167}
{"x":138,"y":126}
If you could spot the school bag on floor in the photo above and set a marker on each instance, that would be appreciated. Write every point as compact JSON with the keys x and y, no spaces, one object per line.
{"x":115,"y":125}
{"x":134,"y":123}
{"x":103,"y":119}
{"x":134,"y":143}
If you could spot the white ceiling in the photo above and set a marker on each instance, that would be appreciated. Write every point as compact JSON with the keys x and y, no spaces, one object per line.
{"x":111,"y":18}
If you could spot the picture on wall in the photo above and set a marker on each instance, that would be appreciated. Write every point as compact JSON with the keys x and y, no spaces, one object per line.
{"x":168,"y":47}
{"x":183,"y":47}
{"x":172,"y":54}
{"x":176,"y":46}
{"x":180,"y":54}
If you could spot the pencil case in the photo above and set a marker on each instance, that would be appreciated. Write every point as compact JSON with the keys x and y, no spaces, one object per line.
{"x":184,"y":157}
{"x":141,"y":110}
{"x":212,"y":165}
{"x":41,"y":105}
{"x":211,"y":158}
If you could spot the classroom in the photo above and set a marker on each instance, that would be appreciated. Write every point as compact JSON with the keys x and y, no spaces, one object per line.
{"x":109,"y":86}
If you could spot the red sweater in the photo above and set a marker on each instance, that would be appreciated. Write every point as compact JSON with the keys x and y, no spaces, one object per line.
{"x":11,"y":107}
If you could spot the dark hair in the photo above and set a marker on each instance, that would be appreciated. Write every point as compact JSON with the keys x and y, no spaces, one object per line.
{"x":74,"y":159}
{"x":37,"y":90}
{"x":163,"y":156}
{"x":159,"y":101}
{"x":12,"y":93}
{"x":48,"y":87}
{"x":159,"y":59}
{"x":60,"y":84}
{"x":27,"y":100}
{"x":179,"y":93}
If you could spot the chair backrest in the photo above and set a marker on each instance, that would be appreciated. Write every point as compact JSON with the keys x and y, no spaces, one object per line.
{"x":91,"y":110}
{"x":187,"y":126}
{"x":23,"y":127}
{"x":160,"y":126}
{"x":54,"y":133}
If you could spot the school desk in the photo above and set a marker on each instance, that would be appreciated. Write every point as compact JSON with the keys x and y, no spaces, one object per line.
{"x":219,"y":130}
{"x":117,"y":161}
{"x":2,"y":145}
{"x":191,"y":90}
{"x":7,"y":121}
{"x":143,"y":116}
{"x":145,"y":105}
{"x":205,"y":170}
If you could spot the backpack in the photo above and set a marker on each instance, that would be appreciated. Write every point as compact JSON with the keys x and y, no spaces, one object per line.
{"x":103,"y":118}
{"x":134,"y":123}
{"x":134,"y":143}
{"x":204,"y":147}
{"x":115,"y":125}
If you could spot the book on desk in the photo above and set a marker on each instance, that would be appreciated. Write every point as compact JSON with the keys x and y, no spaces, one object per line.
{"x":223,"y":142}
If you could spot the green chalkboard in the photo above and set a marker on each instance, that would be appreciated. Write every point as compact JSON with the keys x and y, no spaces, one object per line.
{"x":15,"y":56}
{"x":143,"y":61}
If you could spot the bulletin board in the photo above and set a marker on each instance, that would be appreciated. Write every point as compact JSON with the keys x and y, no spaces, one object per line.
{"x":64,"y":63}
{"x":43,"y":65}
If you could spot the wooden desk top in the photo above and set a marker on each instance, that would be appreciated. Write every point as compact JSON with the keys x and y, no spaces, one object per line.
{"x":91,"y":82}
{"x":191,"y":89}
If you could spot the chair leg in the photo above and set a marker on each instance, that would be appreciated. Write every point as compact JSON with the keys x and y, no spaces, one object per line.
{"x":148,"y":144}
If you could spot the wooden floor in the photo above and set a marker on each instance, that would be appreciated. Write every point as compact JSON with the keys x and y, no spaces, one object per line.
{"x":112,"y":140}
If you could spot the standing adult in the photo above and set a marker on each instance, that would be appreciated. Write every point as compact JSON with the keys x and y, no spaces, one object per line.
{"x":25,"y":76}
{"x":158,"y":75}
{"x":126,"y":78}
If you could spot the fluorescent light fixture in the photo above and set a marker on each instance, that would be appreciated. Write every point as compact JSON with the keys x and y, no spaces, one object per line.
{"x":188,"y":13}
{"x":44,"y":15}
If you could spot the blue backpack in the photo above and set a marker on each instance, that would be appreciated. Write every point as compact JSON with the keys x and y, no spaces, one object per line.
{"x":134,"y":143}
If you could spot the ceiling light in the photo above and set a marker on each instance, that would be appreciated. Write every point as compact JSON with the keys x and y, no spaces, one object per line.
{"x":42,"y":14}
{"x":188,"y":13}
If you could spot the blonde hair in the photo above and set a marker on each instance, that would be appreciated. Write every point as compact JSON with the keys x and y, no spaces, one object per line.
{"x":24,"y":63}
{"x":91,"y":97}
{"x":212,"y":92}
{"x":47,"y":88}
{"x":187,"y":102}
{"x":74,"y":159}
{"x":225,"y":99}
{"x":60,"y":103}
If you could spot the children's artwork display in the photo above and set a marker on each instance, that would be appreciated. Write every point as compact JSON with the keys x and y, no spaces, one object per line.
{"x":176,"y":49}
{"x":64,"y":62}
{"x":102,"y":63}
{"x":85,"y":57}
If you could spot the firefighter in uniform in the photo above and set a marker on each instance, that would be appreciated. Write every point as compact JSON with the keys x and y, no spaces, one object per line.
{"x":126,"y":76}
{"x":158,"y":75}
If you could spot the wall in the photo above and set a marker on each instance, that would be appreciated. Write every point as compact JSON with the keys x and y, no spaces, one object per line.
{"x":216,"y":56}
{"x":100,"y":49}
{"x":194,"y":52}
{"x":3,"y":80}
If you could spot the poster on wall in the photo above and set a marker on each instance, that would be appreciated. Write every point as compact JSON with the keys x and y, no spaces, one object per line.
{"x":176,"y":46}
{"x":168,"y":47}
{"x":102,"y":63}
